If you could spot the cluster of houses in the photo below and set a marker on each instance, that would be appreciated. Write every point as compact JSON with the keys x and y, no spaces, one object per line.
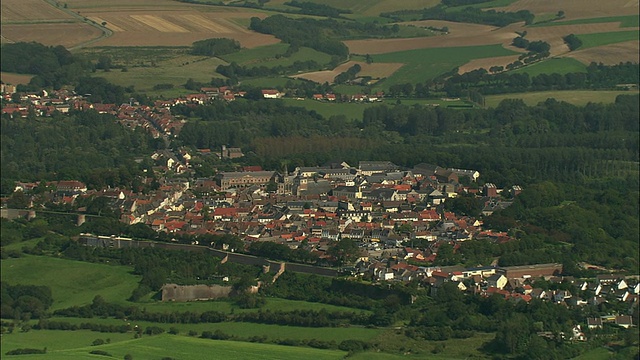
{"x":378,"y":205}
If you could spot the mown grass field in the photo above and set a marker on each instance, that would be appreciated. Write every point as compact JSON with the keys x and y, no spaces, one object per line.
{"x":625,"y":21}
{"x":71,"y":282}
{"x":600,"y":39}
{"x":575,"y":97}
{"x":156,"y":347}
{"x":554,"y":65}
{"x":423,"y":64}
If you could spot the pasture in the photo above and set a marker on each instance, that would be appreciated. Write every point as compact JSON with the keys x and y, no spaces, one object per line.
{"x":180,"y":347}
{"x":606,"y":38}
{"x":245,"y":330}
{"x":575,"y":97}
{"x":354,"y":111}
{"x":553,"y":65}
{"x":71,"y":282}
{"x":423,"y":64}
{"x":175,"y":71}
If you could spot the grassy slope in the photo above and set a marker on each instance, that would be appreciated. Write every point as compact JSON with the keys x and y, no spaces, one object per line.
{"x":179,"y":347}
{"x":554,"y":65}
{"x":71,"y":282}
{"x":576,"y":97}
{"x":423,"y":64}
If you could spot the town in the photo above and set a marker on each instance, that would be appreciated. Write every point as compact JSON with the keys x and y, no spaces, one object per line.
{"x":397,"y":219}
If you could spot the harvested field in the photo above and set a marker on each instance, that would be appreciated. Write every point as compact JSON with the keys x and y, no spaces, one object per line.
{"x":375,"y":70}
{"x":176,"y":28}
{"x":609,"y":54}
{"x":15,"y":79}
{"x":30,"y":10}
{"x":65,"y":34}
{"x":158,"y":23}
{"x":575,"y":9}
{"x":108,"y":25}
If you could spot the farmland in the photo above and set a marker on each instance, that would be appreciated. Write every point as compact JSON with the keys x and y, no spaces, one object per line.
{"x":14,"y":79}
{"x":601,"y":39}
{"x":155,"y":347}
{"x":354,"y":111}
{"x":574,"y":97}
{"x":425,"y":64}
{"x":72,"y":282}
{"x":553,"y":65}
{"x":624,"y":21}
{"x":609,"y":54}
{"x":576,"y":9}
{"x":375,"y":70}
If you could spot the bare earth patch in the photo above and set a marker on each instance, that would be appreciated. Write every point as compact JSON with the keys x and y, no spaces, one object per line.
{"x":375,"y":70}
{"x":576,"y":9}
{"x":15,"y":79}
{"x":609,"y":54}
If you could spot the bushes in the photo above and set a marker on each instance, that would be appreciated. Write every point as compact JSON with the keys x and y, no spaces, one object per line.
{"x":572,"y":41}
{"x":215,"y":47}
{"x":26,"y":351}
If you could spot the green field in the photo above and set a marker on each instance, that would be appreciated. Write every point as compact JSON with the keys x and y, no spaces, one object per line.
{"x":551,"y":66}
{"x":246,"y":330}
{"x":483,"y":5}
{"x":354,"y":111}
{"x":175,"y":71}
{"x":423,"y":64}
{"x":269,"y":56}
{"x":156,"y":347}
{"x":71,"y":282}
{"x":57,"y":340}
{"x":575,"y":97}
{"x":625,"y":21}
{"x":369,"y":7}
{"x":600,"y":39}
